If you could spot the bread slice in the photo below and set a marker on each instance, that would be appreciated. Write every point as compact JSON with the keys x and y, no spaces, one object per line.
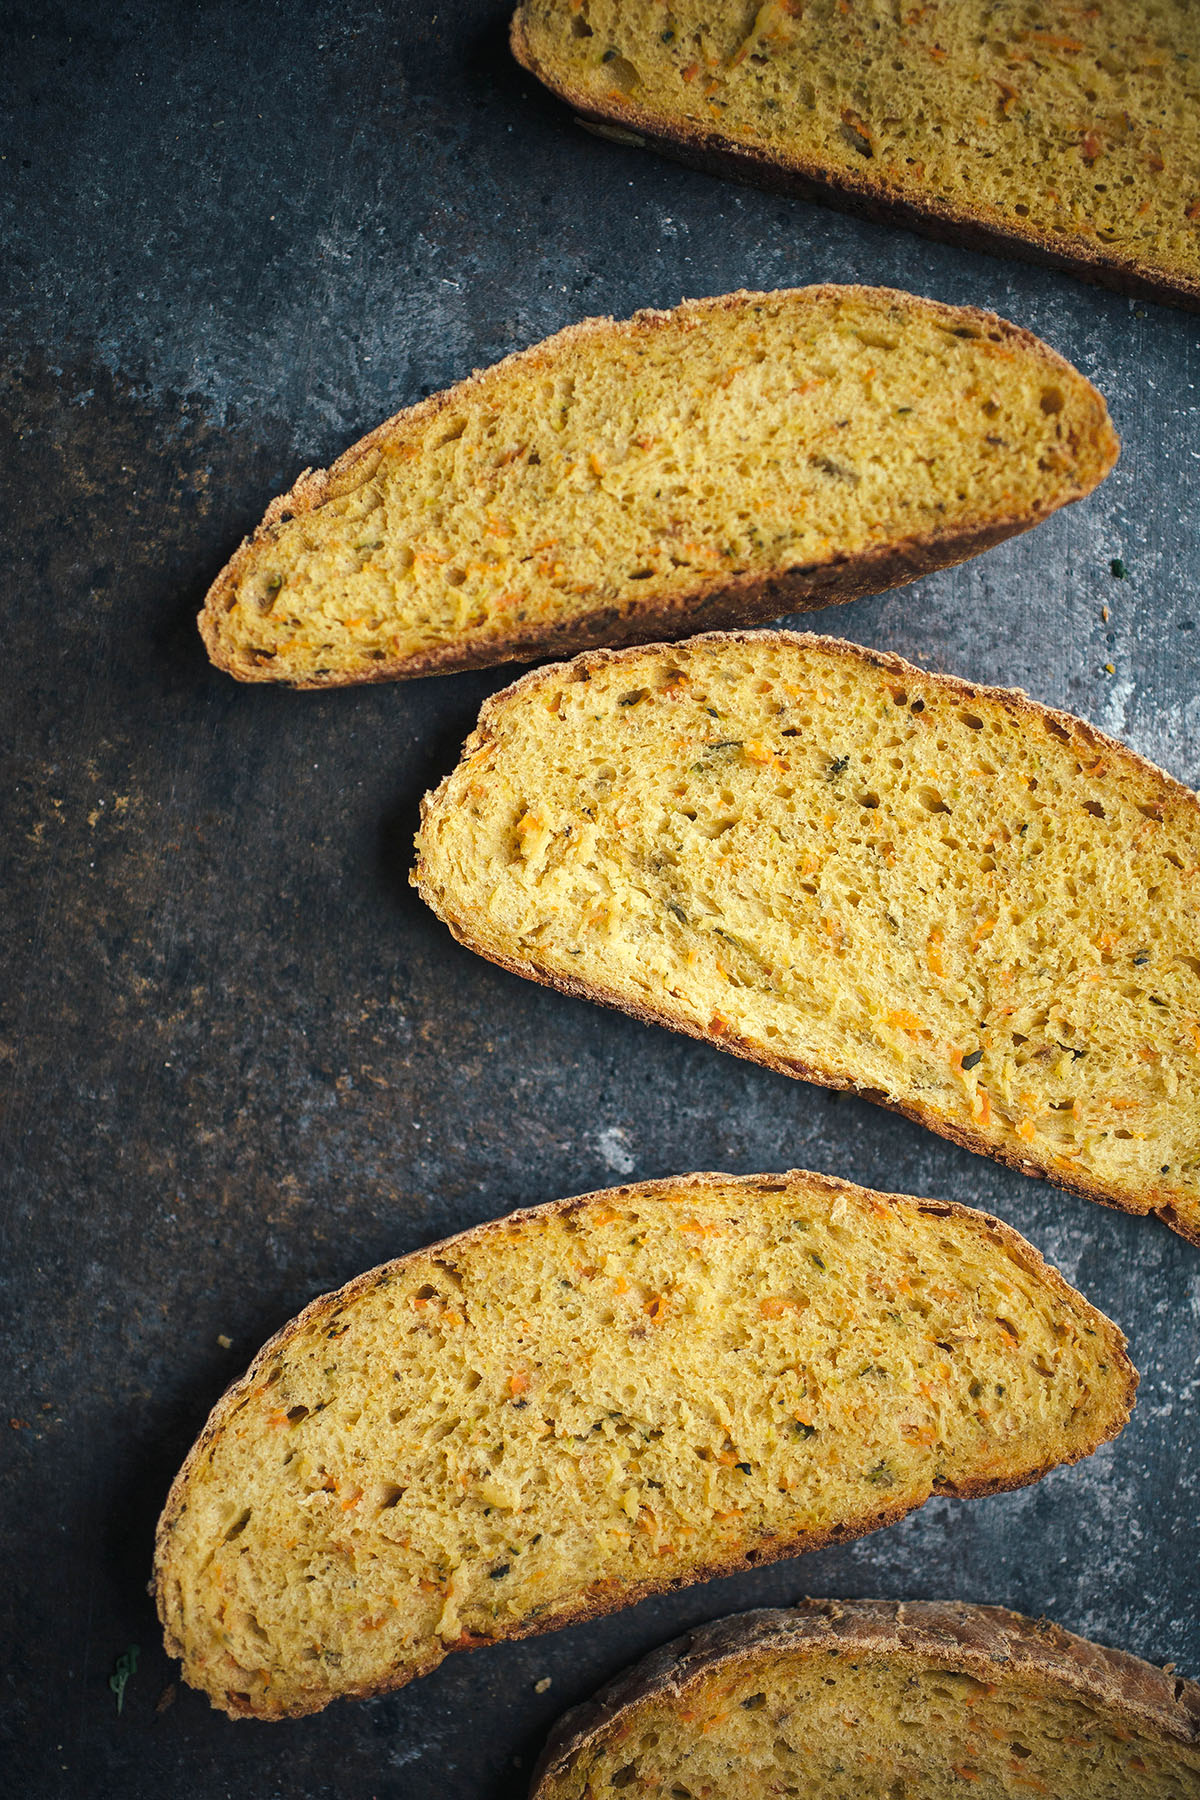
{"x":557,"y":1413}
{"x":966,"y":906}
{"x":1069,"y":134}
{"x":882,"y":1700}
{"x":732,"y":460}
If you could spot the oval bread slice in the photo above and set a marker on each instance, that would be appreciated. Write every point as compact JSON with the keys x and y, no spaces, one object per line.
{"x":969,"y":907}
{"x":726,"y":462}
{"x":1071,"y":136}
{"x":555,"y":1414}
{"x":876,"y":1699}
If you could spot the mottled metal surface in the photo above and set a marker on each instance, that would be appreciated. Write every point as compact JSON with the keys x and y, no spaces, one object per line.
{"x":240,"y":1062}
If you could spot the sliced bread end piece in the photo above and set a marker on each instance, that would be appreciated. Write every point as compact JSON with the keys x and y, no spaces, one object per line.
{"x":869,"y":1699}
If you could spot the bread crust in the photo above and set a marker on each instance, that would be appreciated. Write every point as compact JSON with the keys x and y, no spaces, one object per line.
{"x":676,"y":1020}
{"x":987,"y":1642}
{"x":720,"y":602}
{"x":715,"y":154}
{"x":611,"y":1595}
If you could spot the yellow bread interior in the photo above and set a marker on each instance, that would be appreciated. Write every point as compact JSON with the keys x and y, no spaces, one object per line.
{"x":943,"y":895}
{"x":630,"y":472}
{"x":1075,"y":126}
{"x":553,"y":1414}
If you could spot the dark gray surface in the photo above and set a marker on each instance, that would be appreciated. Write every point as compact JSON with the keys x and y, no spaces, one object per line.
{"x":238,"y":1060}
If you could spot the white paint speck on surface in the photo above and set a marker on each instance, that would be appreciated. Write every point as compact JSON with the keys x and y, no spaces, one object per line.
{"x":614,"y":1150}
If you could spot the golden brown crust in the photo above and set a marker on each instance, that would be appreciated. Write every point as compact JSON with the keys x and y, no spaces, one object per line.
{"x":987,"y":1642}
{"x":869,"y":198}
{"x":611,"y":1595}
{"x":740,"y":600}
{"x":970,"y":1139}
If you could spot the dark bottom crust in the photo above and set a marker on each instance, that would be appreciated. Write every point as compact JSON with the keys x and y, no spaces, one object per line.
{"x":988,"y":1642}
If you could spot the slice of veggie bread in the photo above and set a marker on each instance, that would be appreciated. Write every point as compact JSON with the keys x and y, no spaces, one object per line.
{"x":557,"y":1413}
{"x":729,"y":461}
{"x":962,"y":904}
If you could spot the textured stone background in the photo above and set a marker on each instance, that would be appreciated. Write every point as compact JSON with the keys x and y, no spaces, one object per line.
{"x":238,"y":1061}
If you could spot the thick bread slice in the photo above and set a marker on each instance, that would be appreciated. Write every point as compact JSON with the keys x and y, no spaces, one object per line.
{"x":730,"y":461}
{"x":882,"y":1700}
{"x":557,"y":1413}
{"x":976,"y":910}
{"x":1069,"y":134}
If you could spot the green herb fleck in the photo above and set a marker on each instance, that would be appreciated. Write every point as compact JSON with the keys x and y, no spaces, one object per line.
{"x":126,"y":1668}
{"x":880,"y":1475}
{"x":813,"y":1257}
{"x":609,"y":56}
{"x":500,"y":1570}
{"x":1118,"y":568}
{"x":801,"y":1430}
{"x":973,"y":1061}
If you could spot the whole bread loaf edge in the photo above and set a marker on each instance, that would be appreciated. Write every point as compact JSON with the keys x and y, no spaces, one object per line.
{"x":619,"y":1594}
{"x":976,"y":1639}
{"x":722,"y":602}
{"x":674,"y":1021}
{"x":714,"y":154}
